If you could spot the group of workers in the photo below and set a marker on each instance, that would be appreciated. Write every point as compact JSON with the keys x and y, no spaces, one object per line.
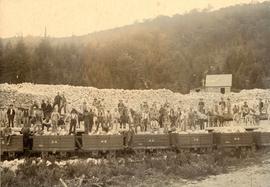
{"x":95,"y":117}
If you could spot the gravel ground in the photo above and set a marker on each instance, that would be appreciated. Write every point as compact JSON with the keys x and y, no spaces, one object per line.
{"x":252,"y":176}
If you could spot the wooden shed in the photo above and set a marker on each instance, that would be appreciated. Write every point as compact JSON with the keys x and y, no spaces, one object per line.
{"x":220,"y":83}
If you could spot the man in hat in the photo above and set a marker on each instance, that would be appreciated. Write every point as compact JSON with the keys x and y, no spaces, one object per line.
{"x":260,"y":106}
{"x":43,"y":107}
{"x":10,"y":115}
{"x":63,"y":103}
{"x":55,"y":116}
{"x":73,"y":121}
{"x":95,"y":102}
{"x":47,"y":122}
{"x":84,"y":107}
{"x":57,"y":101}
{"x":121,"y":106}
{"x":201,"y":106}
{"x":25,"y":116}
{"x":229,"y":106}
{"x":49,"y":109}
{"x":222,"y":105}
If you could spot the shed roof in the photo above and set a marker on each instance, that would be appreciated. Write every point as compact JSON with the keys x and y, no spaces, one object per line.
{"x":220,"y":80}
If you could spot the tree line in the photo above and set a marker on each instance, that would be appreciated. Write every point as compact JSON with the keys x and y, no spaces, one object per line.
{"x":166,"y":52}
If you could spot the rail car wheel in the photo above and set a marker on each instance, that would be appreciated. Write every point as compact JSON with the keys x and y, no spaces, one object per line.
{"x":243,"y":152}
{"x":44,"y":154}
{"x":11,"y":155}
{"x":95,"y":154}
{"x":203,"y":150}
{"x":63,"y":154}
{"x":111,"y":155}
{"x":253,"y":148}
{"x":140,"y":153}
{"x":209,"y":149}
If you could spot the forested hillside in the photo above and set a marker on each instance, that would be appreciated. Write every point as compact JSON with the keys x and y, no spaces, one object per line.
{"x":166,"y":52}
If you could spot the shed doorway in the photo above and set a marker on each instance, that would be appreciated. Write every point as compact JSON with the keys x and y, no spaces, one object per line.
{"x":222,"y":90}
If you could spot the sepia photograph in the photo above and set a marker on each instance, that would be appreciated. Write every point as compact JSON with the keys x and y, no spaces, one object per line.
{"x":135,"y":93}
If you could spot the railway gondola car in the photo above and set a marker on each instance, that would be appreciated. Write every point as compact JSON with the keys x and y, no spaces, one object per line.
{"x":102,"y":144}
{"x":235,"y":143}
{"x":193,"y":141}
{"x":262,"y":139}
{"x":15,"y":145}
{"x":61,"y":144}
{"x":150,"y":142}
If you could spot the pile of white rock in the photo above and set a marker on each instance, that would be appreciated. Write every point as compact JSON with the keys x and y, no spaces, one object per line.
{"x":22,"y":94}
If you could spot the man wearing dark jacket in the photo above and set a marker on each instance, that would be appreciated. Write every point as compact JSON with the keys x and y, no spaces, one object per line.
{"x":43,"y":107}
{"x":57,"y":101}
{"x":49,"y":109}
{"x":10,"y":115}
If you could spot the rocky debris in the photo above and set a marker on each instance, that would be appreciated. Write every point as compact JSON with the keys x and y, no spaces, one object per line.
{"x":23,"y":94}
{"x":12,"y":165}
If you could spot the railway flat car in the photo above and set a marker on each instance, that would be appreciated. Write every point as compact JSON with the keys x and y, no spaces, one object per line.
{"x":102,"y":142}
{"x":54,"y":144}
{"x":150,"y":141}
{"x":200,"y":141}
{"x":15,"y":145}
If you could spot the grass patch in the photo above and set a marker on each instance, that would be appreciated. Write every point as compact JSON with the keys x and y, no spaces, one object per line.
{"x":155,"y":170}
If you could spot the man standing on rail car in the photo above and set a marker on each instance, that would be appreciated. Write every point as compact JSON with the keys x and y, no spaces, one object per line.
{"x":43,"y":107}
{"x":100,"y":121}
{"x":162,"y":112}
{"x":63,"y":104}
{"x":47,"y":122}
{"x":57,"y":101}
{"x":222,"y":105}
{"x":73,"y":121}
{"x":55,"y":118}
{"x":10,"y":115}
{"x":245,"y":109}
{"x":173,"y":119}
{"x":191,"y":119}
{"x":145,"y":115}
{"x":115,"y":119}
{"x":91,"y":120}
{"x":201,"y":106}
{"x":121,"y":106}
{"x":49,"y":109}
{"x":229,"y":106}
{"x":108,"y":119}
{"x":153,"y":115}
{"x":88,"y":121}
{"x":25,"y":117}
{"x":83,"y":107}
{"x":260,"y":106}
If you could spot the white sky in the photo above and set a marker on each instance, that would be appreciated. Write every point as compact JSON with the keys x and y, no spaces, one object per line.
{"x":78,"y":17}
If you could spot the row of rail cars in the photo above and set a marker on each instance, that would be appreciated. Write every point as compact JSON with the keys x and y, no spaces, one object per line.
{"x":112,"y":145}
